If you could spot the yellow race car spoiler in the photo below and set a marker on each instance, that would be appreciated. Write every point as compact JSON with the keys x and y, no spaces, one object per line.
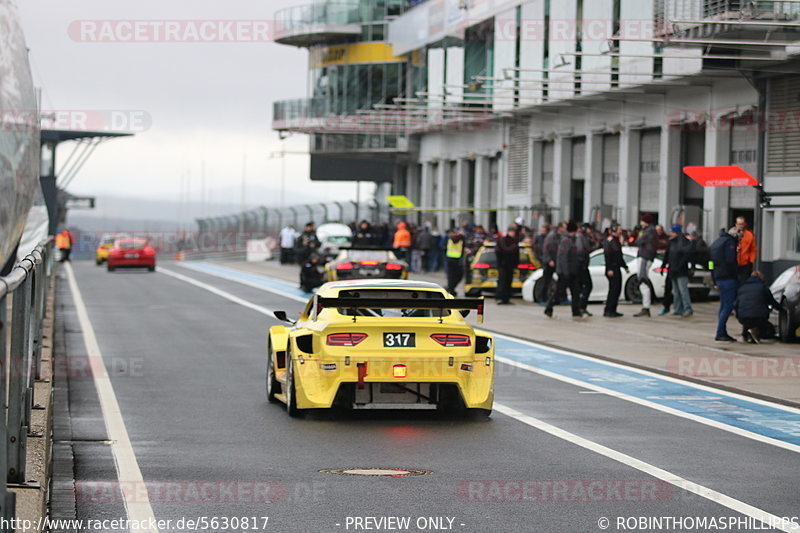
{"x":441,"y":304}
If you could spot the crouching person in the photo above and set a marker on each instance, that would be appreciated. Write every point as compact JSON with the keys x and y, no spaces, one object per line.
{"x":754,"y":303}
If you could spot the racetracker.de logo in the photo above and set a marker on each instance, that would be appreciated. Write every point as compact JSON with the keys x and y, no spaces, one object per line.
{"x":180,"y":492}
{"x":563,"y":491}
{"x":171,"y":31}
{"x":734,"y":367}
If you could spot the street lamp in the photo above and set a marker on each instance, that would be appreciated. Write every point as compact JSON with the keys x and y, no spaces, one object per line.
{"x":282,"y":155}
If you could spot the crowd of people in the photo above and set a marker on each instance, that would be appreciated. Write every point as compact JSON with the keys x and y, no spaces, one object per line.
{"x":563,"y":251}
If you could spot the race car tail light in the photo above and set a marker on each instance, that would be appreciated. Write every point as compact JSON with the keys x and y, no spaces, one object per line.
{"x":149,"y":251}
{"x":345,"y":266}
{"x":393,"y":266}
{"x":450,"y":340}
{"x":481,"y":265}
{"x":526,"y":266}
{"x":369,"y":263}
{"x":661,"y":270}
{"x":399,"y":371}
{"x":345,"y":339}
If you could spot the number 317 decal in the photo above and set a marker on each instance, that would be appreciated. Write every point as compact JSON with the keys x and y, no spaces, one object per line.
{"x":399,"y":340}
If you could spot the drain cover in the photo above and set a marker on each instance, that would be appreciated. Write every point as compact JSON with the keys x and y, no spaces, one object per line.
{"x":376,"y":472}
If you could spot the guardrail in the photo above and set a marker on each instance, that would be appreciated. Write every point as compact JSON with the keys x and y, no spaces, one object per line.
{"x":26,"y":288}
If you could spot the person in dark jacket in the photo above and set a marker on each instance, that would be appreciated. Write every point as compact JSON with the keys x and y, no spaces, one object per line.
{"x":311,"y":275}
{"x":306,"y":244}
{"x":615,"y":262}
{"x":568,"y":274}
{"x":549,"y":256}
{"x":676,"y":263}
{"x":365,"y":235}
{"x":723,"y":254}
{"x":647,"y":244}
{"x":754,"y":303}
{"x":507,"y":251}
{"x":583,"y":240}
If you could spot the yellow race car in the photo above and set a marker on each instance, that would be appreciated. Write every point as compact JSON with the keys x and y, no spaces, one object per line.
{"x":382,"y":344}
{"x":482,"y":275}
{"x":104,"y":247}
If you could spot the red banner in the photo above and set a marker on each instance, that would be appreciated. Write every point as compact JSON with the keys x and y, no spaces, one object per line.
{"x":730,"y":176}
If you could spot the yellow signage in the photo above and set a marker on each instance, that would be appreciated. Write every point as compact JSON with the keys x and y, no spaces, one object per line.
{"x":400,"y":202}
{"x":352,"y":54}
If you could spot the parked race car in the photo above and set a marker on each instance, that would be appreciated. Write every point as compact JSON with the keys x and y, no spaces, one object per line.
{"x":786,"y":291}
{"x":482,"y":275}
{"x":384,"y":344}
{"x":105,"y":246}
{"x":362,"y":263}
{"x":131,"y":253}
{"x":700,"y":283}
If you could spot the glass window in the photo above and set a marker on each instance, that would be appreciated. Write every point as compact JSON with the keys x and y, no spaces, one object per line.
{"x":597,"y":260}
{"x":793,"y":227}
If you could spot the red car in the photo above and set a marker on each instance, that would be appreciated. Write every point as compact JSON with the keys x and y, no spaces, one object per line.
{"x":132,"y":253}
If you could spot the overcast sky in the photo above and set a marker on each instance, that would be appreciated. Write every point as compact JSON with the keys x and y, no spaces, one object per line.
{"x":204,"y":101}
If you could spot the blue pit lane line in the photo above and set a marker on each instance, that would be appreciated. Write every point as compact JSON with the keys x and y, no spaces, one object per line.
{"x":761,"y":418}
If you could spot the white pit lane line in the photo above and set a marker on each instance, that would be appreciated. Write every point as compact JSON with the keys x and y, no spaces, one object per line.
{"x":733,"y":504}
{"x":131,"y":482}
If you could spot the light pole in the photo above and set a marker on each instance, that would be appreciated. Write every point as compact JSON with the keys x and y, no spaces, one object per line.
{"x":282,"y":155}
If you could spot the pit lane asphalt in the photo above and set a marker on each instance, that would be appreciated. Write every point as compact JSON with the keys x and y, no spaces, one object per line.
{"x":188,"y":370}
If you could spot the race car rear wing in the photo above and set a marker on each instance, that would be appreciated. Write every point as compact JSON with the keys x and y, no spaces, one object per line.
{"x":442,"y":304}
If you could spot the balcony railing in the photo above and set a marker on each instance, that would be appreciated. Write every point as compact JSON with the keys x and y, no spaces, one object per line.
{"x":748,"y":18}
{"x":318,"y":22}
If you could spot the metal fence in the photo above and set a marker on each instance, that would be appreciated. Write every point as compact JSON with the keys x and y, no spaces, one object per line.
{"x":26,"y":289}
{"x":230,"y":233}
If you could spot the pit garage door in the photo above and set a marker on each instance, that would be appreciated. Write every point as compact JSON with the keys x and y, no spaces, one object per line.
{"x":649,"y":170}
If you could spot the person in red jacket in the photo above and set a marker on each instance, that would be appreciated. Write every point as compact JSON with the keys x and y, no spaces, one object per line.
{"x":746,"y":252}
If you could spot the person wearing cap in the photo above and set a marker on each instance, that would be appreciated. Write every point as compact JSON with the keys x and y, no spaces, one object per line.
{"x":676,"y":264}
{"x":647,"y":253}
{"x":567,"y":271}
{"x":507,"y":251}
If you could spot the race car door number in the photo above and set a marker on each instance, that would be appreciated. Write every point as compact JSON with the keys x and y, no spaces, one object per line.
{"x":399,"y":340}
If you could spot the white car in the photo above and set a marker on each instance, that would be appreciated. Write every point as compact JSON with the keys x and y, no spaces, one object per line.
{"x":597,"y":267}
{"x":333,"y":236}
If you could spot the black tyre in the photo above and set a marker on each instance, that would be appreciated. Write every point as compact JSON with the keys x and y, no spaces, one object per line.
{"x":98,"y":262}
{"x":632,"y":292}
{"x":110,"y":268}
{"x":291,"y":392}
{"x":479,"y":413}
{"x":151,"y":269}
{"x":785,"y":331}
{"x":272,"y":384}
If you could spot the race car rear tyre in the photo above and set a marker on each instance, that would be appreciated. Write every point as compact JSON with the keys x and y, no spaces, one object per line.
{"x":632,"y":292}
{"x":271,"y":382}
{"x":785,"y":331}
{"x":480,"y":413}
{"x":151,"y":269}
{"x":291,"y":393}
{"x":98,"y":262}
{"x":110,"y":268}
{"x":450,"y":401}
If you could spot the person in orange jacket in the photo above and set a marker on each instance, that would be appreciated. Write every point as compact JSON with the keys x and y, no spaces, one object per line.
{"x":747,"y":251}
{"x":402,"y":241}
{"x":64,"y":242}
